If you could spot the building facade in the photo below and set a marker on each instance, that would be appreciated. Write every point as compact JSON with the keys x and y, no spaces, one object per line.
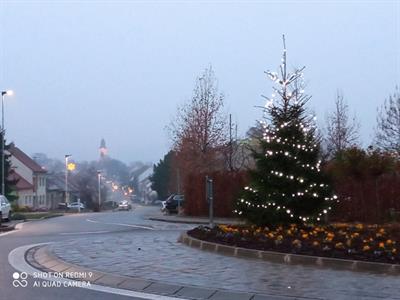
{"x":31,"y":179}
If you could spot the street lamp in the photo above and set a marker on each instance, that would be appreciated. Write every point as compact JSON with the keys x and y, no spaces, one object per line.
{"x":66,"y":178}
{"x":99,"y":184}
{"x":3,"y":132}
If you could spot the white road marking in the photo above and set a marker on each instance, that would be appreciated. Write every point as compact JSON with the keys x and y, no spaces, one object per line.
{"x":16,"y":258}
{"x":84,"y":232}
{"x":122,"y":224}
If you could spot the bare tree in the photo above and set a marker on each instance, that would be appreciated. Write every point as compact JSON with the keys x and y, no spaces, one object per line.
{"x":388,"y":124}
{"x":341,"y":131}
{"x":200,"y":127}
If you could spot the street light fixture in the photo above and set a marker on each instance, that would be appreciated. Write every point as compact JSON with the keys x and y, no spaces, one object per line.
{"x":3,"y":132}
{"x":66,"y":178}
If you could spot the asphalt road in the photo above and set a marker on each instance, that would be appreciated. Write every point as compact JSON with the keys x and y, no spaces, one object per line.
{"x":53,"y":230}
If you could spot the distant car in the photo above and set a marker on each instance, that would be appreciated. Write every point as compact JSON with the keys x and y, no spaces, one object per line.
{"x":124,"y":205}
{"x":5,"y":209}
{"x":76,"y":205}
{"x":173,"y":203}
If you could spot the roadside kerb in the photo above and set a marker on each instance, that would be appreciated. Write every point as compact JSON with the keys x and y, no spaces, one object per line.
{"x":291,"y":259}
{"x":10,"y":227}
{"x":42,"y":259}
{"x":190,"y":220}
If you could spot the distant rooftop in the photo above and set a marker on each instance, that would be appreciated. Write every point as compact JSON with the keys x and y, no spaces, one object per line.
{"x":25,"y":159}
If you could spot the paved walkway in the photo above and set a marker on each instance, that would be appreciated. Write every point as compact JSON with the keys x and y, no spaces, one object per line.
{"x":157,"y":256}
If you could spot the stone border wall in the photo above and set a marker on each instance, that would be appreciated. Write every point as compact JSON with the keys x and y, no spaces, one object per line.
{"x":291,"y":259}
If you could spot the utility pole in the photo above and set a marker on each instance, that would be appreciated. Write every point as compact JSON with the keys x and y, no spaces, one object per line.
{"x":178,"y":183}
{"x":210,"y":200}
{"x":99,"y":186}
{"x":66,"y":178}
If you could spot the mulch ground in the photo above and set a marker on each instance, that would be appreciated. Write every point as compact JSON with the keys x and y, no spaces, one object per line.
{"x":375,"y":243}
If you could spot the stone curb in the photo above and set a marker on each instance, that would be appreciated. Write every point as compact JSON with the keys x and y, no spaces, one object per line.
{"x":40,"y":258}
{"x":186,"y":221}
{"x":10,"y":227}
{"x":292,"y":259}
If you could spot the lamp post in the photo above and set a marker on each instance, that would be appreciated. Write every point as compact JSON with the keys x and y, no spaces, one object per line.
{"x":3,"y":132}
{"x":99,"y":186}
{"x":66,"y":178}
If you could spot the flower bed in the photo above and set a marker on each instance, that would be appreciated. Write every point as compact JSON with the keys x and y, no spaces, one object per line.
{"x":346,"y":241}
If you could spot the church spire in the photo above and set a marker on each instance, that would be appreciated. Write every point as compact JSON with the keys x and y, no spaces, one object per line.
{"x":103,"y":149}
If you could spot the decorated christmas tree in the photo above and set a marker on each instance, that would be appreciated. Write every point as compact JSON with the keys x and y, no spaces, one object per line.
{"x":287,"y":185}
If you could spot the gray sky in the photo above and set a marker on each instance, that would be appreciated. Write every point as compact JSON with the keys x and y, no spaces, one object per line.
{"x":118,"y":70}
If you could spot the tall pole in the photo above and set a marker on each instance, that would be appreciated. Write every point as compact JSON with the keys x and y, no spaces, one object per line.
{"x":99,"y":183}
{"x":178,"y":181}
{"x":2,"y":144}
{"x":3,"y":133}
{"x":66,"y":178}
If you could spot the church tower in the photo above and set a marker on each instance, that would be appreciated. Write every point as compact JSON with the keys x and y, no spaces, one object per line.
{"x":103,"y":149}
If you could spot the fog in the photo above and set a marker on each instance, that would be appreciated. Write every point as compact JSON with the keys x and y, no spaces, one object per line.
{"x":118,"y":70}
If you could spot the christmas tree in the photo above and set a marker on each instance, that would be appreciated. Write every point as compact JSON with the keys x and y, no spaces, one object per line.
{"x":287,"y":185}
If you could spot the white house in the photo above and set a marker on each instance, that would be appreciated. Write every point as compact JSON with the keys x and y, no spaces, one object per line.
{"x":31,"y":185}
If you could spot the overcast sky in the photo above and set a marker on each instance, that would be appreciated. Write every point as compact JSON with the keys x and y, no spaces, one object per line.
{"x":118,"y":70}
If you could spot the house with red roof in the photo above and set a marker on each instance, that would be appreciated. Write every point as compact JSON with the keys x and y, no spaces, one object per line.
{"x":31,"y":179}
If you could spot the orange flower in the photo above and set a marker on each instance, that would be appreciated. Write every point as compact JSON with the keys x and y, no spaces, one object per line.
{"x":381,"y":245}
{"x":305,"y":236}
{"x":359,"y":226}
{"x":389,"y":242}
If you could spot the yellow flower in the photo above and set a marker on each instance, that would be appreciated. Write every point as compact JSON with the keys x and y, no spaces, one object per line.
{"x":339,"y":245}
{"x":394,"y":250}
{"x":348,"y":243}
{"x":366,"y":248}
{"x":305,"y":236}
{"x":315,"y":243}
{"x":359,"y":226}
{"x":279,"y":237}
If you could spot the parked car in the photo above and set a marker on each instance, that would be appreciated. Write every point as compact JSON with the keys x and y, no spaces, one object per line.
{"x":173,"y":203}
{"x":76,"y":205}
{"x":164,"y":203}
{"x":163,"y":206}
{"x":124,"y":205}
{"x":63,"y":205}
{"x":5,"y":209}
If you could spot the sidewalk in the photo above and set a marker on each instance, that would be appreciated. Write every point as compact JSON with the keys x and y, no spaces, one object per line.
{"x":42,"y":259}
{"x":153,"y":262}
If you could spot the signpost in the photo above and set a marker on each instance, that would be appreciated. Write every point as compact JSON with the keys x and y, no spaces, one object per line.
{"x":210,"y":200}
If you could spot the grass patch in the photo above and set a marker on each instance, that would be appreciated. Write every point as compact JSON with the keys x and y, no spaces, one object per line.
{"x":36,"y":215}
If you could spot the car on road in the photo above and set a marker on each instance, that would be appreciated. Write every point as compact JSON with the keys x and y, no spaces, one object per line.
{"x":124,"y":205}
{"x":76,"y":205}
{"x":172,"y":204}
{"x":5,"y":209}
